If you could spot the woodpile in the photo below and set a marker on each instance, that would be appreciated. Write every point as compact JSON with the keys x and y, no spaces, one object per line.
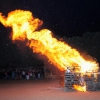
{"x":69,"y":80}
{"x":92,"y":81}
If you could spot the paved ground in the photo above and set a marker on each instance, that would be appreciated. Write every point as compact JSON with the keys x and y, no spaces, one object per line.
{"x":41,"y":90}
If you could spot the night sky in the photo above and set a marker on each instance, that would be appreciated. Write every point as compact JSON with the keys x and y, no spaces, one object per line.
{"x":63,"y":17}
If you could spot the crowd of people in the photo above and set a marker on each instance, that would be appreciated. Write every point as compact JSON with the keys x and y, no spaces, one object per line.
{"x":22,"y":74}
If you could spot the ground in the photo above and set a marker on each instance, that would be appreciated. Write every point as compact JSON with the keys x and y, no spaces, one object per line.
{"x":41,"y":90}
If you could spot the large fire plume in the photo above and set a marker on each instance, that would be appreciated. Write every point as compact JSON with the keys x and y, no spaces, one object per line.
{"x":25,"y":26}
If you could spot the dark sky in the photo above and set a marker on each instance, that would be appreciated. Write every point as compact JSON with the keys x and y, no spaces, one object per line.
{"x":63,"y":17}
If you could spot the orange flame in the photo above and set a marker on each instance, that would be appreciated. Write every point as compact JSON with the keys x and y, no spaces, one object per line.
{"x":24,"y":26}
{"x":80,"y":88}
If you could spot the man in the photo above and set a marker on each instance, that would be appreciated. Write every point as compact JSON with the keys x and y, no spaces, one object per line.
{"x":68,"y":70}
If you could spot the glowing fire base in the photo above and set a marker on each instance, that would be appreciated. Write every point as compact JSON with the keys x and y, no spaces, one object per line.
{"x":72,"y":82}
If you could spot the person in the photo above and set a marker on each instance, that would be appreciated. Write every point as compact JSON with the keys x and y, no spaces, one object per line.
{"x":30,"y":74}
{"x":13,"y":75}
{"x":82,"y":81}
{"x":23,"y":74}
{"x":68,"y":70}
{"x":27,"y":75}
{"x":38,"y":74}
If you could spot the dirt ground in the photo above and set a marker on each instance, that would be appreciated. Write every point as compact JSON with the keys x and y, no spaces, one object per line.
{"x":41,"y":90}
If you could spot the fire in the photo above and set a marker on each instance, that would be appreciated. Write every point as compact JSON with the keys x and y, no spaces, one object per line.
{"x":80,"y":88}
{"x":24,"y":26}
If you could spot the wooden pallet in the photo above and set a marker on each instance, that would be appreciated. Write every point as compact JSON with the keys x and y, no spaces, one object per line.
{"x":69,"y":80}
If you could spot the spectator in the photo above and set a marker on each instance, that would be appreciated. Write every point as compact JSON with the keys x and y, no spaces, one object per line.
{"x":23,"y":74}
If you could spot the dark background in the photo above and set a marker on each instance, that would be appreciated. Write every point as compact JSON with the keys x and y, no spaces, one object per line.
{"x":76,"y":21}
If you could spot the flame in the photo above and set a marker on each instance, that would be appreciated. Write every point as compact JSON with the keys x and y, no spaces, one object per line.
{"x":80,"y":88}
{"x":24,"y":26}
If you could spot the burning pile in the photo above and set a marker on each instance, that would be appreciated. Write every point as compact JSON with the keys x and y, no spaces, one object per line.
{"x":24,"y":26}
